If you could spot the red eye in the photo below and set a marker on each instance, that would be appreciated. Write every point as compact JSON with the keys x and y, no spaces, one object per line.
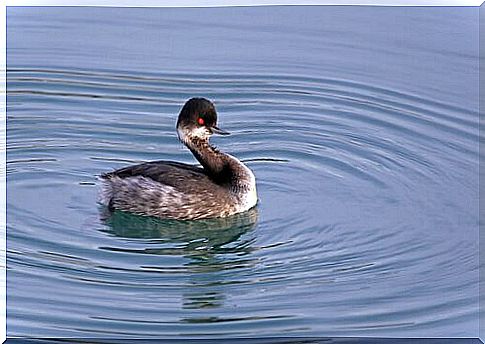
{"x":200,"y":120}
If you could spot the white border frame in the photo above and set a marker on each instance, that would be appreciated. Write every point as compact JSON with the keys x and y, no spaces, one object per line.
{"x":231,"y":3}
{"x":3,"y":172}
{"x":133,"y":3}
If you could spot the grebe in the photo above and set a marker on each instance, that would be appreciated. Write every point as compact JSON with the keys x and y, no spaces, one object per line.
{"x":171,"y":190}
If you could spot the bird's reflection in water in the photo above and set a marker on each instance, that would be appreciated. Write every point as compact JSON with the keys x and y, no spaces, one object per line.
{"x":212,"y":248}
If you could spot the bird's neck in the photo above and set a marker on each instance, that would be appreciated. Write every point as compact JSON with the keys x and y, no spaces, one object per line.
{"x":218,"y":165}
{"x":222,"y":168}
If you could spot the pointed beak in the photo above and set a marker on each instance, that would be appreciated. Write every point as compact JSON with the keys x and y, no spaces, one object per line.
{"x":216,"y":130}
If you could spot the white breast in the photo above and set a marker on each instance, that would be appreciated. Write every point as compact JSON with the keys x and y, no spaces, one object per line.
{"x":249,"y":197}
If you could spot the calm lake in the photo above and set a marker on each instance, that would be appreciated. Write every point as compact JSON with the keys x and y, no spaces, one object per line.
{"x":360,"y":124}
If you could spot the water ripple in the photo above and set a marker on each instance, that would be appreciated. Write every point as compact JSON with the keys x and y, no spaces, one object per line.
{"x":353,"y":182}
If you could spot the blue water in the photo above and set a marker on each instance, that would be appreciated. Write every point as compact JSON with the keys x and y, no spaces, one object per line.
{"x":360,"y":124}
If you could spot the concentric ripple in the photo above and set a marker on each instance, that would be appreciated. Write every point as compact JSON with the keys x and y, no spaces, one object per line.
{"x":345,"y":229}
{"x":366,"y":223}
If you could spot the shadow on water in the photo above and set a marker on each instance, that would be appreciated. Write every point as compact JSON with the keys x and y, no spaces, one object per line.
{"x":211,"y":248}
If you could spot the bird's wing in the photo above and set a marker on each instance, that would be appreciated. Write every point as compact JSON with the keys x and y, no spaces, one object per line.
{"x":166,"y":172}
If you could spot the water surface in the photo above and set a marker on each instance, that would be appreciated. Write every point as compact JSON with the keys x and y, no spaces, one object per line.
{"x":360,"y":124}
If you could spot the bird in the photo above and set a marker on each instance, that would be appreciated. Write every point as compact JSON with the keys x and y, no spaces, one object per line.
{"x":222,"y":186}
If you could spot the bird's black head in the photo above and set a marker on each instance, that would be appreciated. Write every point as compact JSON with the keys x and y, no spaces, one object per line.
{"x":198,"y":118}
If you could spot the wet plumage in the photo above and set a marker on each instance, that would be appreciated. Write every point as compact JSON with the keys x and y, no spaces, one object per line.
{"x":223,"y":186}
